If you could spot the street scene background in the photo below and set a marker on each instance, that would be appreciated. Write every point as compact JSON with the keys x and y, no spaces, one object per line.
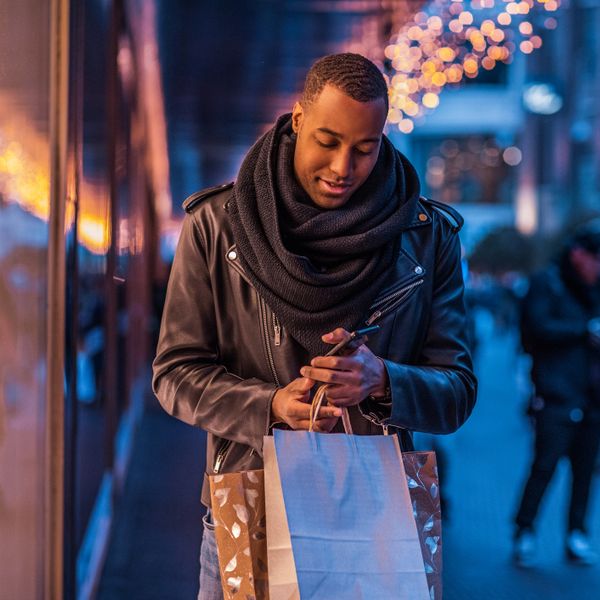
{"x":108,"y":122}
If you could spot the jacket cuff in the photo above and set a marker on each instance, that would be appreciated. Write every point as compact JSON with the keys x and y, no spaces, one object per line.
{"x":378,"y":410}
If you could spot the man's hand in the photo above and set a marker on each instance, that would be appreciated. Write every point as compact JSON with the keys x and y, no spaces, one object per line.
{"x":290,"y":405}
{"x":352,"y":377}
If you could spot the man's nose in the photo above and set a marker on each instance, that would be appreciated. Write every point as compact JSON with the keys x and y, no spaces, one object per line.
{"x":342,"y":164}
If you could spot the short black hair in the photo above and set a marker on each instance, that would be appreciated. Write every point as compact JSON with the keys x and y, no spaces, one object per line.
{"x":352,"y":74}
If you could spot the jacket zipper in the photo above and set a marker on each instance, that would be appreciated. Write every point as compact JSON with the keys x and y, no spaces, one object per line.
{"x":266,"y":335}
{"x":221,"y":454}
{"x":392,"y":301}
{"x":388,"y":303}
{"x":277,"y":330}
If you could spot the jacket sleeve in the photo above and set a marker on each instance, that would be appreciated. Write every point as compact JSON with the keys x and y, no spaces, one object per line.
{"x":188,"y":379}
{"x":437,"y":393}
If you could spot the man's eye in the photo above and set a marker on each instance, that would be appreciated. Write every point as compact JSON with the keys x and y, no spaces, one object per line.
{"x":326,"y":145}
{"x":364,"y":152}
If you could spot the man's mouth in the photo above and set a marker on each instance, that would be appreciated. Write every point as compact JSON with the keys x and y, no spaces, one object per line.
{"x":334,"y":188}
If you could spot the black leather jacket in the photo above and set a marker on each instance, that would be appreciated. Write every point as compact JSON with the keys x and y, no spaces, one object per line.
{"x":222,"y":353}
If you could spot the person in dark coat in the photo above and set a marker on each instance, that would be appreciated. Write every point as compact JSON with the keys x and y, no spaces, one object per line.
{"x":561,"y":331}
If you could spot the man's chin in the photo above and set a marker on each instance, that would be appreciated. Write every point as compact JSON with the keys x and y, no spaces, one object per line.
{"x":330,"y":201}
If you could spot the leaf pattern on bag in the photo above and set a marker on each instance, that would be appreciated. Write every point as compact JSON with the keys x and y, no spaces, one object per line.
{"x":432,"y":543}
{"x":236,"y":530}
{"x":231,"y":565}
{"x":423,"y":486}
{"x":242,"y":512}
{"x":221,"y":495}
{"x":234,"y":584}
{"x":240,"y":530}
{"x":251,"y":496}
{"x":411,"y":482}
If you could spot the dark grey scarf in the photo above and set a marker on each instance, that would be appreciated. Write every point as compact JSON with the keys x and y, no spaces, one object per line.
{"x":318,"y":269}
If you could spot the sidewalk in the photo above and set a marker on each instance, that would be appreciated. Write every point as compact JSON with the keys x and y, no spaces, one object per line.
{"x":155,"y":544}
{"x":488,"y":463}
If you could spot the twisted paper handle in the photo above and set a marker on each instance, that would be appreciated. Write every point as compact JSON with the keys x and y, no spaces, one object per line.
{"x":315,"y":407}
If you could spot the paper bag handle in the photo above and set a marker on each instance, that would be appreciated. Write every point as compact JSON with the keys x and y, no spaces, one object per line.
{"x":315,"y":407}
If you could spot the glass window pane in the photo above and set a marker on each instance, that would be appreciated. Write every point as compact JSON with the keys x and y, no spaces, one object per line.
{"x":24,"y":209}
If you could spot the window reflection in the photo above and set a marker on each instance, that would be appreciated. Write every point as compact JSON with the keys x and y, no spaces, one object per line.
{"x":24,"y":209}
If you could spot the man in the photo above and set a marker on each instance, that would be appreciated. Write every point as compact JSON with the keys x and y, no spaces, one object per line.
{"x":323,"y":231}
{"x":560,"y":330}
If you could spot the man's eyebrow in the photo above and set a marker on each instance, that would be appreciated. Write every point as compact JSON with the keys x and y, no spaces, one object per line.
{"x":339,"y":135}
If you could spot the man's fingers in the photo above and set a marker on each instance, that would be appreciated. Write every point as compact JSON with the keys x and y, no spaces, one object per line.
{"x":329,"y":375}
{"x":301,"y":384}
{"x":338,"y":393}
{"x":328,"y":412}
{"x":335,"y":336}
{"x":340,"y":363}
{"x":299,"y":410}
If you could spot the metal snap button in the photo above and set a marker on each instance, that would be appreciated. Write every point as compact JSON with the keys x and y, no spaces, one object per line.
{"x":232,"y":255}
{"x":422,"y":217}
{"x":418,"y":270}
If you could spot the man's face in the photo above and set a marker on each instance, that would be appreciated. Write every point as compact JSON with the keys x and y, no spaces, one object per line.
{"x":337,"y":145}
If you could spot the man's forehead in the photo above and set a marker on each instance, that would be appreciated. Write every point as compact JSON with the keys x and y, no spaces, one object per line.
{"x":340,"y":135}
{"x":336,"y":113}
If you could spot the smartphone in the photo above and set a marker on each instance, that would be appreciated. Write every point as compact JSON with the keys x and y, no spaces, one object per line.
{"x":356,"y":339}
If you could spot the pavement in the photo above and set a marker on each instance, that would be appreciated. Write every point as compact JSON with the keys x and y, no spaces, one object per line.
{"x":154,"y":548}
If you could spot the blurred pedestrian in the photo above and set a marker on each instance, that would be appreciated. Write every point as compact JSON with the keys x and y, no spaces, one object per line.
{"x":561,"y":330}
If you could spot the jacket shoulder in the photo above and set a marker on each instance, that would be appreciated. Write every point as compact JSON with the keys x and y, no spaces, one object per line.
{"x":449,"y":214}
{"x":191,"y":202}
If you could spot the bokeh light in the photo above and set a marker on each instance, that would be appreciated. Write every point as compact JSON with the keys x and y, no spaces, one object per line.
{"x":447,"y":41}
{"x":512,"y":156}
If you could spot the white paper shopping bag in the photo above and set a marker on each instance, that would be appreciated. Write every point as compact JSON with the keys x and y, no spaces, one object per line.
{"x":349,"y":529}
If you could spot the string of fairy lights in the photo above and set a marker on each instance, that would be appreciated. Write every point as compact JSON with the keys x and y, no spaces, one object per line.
{"x":449,"y":40}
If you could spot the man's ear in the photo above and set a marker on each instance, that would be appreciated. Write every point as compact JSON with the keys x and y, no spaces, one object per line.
{"x":297,"y":116}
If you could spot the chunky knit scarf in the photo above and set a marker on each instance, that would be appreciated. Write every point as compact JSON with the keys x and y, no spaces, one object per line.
{"x":318,"y":269}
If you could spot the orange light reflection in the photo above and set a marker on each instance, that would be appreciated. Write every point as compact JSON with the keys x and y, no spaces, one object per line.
{"x":25,"y":177}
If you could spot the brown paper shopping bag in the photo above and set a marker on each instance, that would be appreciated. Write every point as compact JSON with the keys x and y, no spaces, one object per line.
{"x":423,"y":485}
{"x":238,"y":508}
